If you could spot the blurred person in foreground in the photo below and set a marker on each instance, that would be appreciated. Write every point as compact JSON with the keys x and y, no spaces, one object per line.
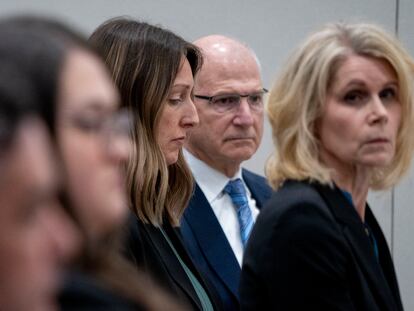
{"x":342,"y":118}
{"x":229,"y":97}
{"x":92,"y":138}
{"x":36,"y":237}
{"x":154,"y":70}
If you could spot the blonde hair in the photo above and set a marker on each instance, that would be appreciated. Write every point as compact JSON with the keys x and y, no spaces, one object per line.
{"x":144,"y":61}
{"x":296,"y":101}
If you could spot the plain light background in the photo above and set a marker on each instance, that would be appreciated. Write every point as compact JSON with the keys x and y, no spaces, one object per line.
{"x":272,"y":29}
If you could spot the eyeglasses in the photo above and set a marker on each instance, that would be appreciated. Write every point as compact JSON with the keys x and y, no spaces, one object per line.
{"x":231,"y":102}
{"x":117,"y":124}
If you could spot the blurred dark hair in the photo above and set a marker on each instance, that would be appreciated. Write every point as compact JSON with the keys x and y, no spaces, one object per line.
{"x":38,"y":46}
{"x":18,"y":100}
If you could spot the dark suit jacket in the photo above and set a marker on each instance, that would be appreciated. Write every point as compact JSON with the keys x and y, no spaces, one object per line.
{"x":208,"y":245}
{"x":82,"y":292}
{"x":310,"y":250}
{"x":148,"y":249}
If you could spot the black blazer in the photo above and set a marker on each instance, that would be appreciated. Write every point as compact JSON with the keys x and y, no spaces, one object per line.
{"x":208,"y":245}
{"x":148,"y":249}
{"x":309,"y":250}
{"x":82,"y":292}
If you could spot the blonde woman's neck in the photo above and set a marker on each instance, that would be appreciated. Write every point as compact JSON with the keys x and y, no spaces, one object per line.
{"x":356,"y":181}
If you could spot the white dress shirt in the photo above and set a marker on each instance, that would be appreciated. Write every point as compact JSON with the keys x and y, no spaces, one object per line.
{"x":212,"y":183}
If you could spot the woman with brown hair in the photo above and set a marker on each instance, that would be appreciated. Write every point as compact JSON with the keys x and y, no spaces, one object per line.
{"x":154,"y":70}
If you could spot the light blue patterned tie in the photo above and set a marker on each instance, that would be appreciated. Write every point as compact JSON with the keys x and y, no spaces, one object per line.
{"x":237,"y":192}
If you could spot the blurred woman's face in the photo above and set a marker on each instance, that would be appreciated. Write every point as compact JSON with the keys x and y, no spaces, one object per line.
{"x":178,"y":116}
{"x":362,"y":115}
{"x":93,"y":151}
{"x":36,"y":236}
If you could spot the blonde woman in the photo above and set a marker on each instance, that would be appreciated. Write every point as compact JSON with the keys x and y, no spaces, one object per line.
{"x":342,"y":118}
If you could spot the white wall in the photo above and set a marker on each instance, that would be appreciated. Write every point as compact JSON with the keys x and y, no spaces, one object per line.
{"x":404,"y":193}
{"x":272,"y":29}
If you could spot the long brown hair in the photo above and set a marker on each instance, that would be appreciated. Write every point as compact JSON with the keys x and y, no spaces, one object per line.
{"x":144,"y":61}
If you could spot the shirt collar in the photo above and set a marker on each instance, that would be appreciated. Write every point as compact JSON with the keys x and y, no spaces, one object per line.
{"x":211,"y":181}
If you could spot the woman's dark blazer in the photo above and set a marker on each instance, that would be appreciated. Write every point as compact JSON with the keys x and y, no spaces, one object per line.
{"x":82,"y":292}
{"x":148,"y":249}
{"x":309,"y":250}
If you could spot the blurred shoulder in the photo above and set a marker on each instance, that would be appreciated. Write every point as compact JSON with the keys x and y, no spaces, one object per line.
{"x":83,"y":292}
{"x":296,"y":215}
{"x":135,"y":241}
{"x":294,"y":197}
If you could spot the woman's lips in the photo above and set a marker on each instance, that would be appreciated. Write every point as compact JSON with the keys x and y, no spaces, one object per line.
{"x":179,"y":140}
{"x":379,"y":140}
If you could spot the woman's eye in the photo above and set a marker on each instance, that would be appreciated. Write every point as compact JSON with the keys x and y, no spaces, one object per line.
{"x":89,"y":125}
{"x":388,"y":93}
{"x":175,"y":101}
{"x":354,"y":97}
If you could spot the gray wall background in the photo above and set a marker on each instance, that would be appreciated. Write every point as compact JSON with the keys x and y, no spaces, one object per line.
{"x":272,"y":29}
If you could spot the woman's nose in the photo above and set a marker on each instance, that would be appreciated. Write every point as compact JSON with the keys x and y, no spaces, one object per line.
{"x":190,"y":118}
{"x":379,"y":112}
{"x":120,"y":146}
{"x":65,"y":238}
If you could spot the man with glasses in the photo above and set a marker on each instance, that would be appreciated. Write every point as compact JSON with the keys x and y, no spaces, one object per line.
{"x":229,"y":97}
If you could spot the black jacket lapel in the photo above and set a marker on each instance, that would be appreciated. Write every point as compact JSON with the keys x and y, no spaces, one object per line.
{"x":354,"y":232}
{"x":171,"y":263}
{"x":212,"y":240}
{"x":258,"y":187}
{"x":384,"y":257}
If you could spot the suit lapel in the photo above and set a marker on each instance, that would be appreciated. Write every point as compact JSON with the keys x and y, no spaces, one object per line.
{"x":171,"y":263}
{"x":175,"y":235}
{"x":260,"y":191}
{"x":363,"y":251}
{"x":212,"y":240}
{"x":384,"y":256}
